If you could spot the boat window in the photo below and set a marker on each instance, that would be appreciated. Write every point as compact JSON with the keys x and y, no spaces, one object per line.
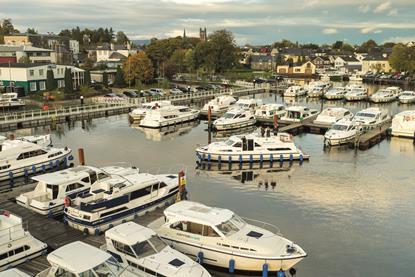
{"x":229,"y":142}
{"x":103,"y":270}
{"x":30,"y":154}
{"x":55,"y":190}
{"x":157,"y":243}
{"x":123,"y":248}
{"x":73,"y":186}
{"x":231,"y":226}
{"x":143,"y":249}
{"x":60,"y":272}
{"x":338,"y":127}
{"x":102,"y":175}
{"x":279,"y":149}
{"x":366,"y":115}
{"x":140,"y":193}
{"x":5,"y":167}
{"x":257,"y":145}
{"x":162,"y":185}
{"x":242,"y":116}
{"x":209,"y":232}
{"x":189,"y":227}
{"x":228,"y":115}
{"x":238,"y":144}
{"x":93,"y":177}
{"x":85,"y":180}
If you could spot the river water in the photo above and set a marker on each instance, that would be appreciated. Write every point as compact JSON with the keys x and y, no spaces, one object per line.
{"x":352,"y":211}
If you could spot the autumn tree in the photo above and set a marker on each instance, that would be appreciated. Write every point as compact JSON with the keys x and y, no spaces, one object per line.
{"x":138,"y":67}
{"x":119,"y":78}
{"x":402,"y":58}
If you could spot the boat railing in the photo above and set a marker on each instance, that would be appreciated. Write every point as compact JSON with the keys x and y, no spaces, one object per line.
{"x":13,"y":232}
{"x":265,"y":225}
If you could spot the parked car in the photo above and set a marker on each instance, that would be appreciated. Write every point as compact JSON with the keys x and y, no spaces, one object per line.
{"x":158,"y":91}
{"x":111,"y":95}
{"x":176,"y":91}
{"x":131,"y":93}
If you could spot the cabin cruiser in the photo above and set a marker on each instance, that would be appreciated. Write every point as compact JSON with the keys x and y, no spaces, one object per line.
{"x":140,"y":112}
{"x":403,"y":124}
{"x":386,"y":95}
{"x":10,"y":100}
{"x":356,"y":94}
{"x":140,"y":247}
{"x":118,"y":199}
{"x":255,"y":147}
{"x":371,"y":118}
{"x":357,"y":78}
{"x":219,"y":237}
{"x":248,"y":103}
{"x":21,"y":157}
{"x":331,"y":115}
{"x":42,"y":140}
{"x":16,"y":244}
{"x":298,"y":113}
{"x":407,"y":97}
{"x":317,"y":89}
{"x":51,"y":189}
{"x":268,"y":111}
{"x":342,"y":132}
{"x":234,"y":119}
{"x":14,"y":272}
{"x":352,"y":86}
{"x":168,"y":115}
{"x":78,"y":259}
{"x":335,"y":93}
{"x":218,"y":106}
{"x":295,"y":91}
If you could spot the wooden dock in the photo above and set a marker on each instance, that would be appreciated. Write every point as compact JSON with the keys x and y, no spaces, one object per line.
{"x":371,"y":138}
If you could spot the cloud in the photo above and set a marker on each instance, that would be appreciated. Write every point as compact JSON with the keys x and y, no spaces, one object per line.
{"x":405,"y":39}
{"x":382,"y":7}
{"x":330,"y":31}
{"x":393,"y":12}
{"x":364,"y":8}
{"x":370,"y":29}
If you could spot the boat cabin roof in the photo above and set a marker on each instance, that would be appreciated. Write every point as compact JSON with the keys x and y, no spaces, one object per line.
{"x":372,"y":110}
{"x":297,"y":108}
{"x":66,"y":176}
{"x":8,"y":220}
{"x":13,"y":272}
{"x":196,"y":212}
{"x":77,"y":257}
{"x":129,"y":233}
{"x":334,"y":111}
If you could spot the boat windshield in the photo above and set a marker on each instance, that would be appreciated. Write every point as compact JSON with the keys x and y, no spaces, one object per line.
{"x":371,"y":115}
{"x":109,"y":268}
{"x":339,"y":127}
{"x":228,"y":115}
{"x":149,"y":247}
{"x":231,"y":226}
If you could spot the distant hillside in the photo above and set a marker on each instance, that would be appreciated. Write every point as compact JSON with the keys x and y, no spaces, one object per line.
{"x":141,"y":41}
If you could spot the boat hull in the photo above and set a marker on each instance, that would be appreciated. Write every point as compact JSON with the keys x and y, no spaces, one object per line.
{"x":339,"y":141}
{"x":382,"y":100}
{"x":355,"y":98}
{"x":237,"y":158}
{"x":407,"y":101}
{"x":233,"y":126}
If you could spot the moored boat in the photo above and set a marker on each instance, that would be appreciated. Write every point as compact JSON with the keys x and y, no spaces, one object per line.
{"x":221,"y":238}
{"x":140,"y":112}
{"x":386,"y":95}
{"x":168,"y":115}
{"x":10,"y":100}
{"x":333,"y":114}
{"x":407,"y":97}
{"x":267,"y":111}
{"x":403,"y":124}
{"x":298,"y":113}
{"x":342,"y":132}
{"x":234,"y":119}
{"x":371,"y":118}
{"x":295,"y":91}
{"x":356,"y":94}
{"x":335,"y":93}
{"x":218,"y":105}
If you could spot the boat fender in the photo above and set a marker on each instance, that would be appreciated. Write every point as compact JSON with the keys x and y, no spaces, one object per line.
{"x":70,"y":158}
{"x":261,"y":158}
{"x":291,"y":157}
{"x":231,"y":266}
{"x":124,"y":221}
{"x":265,"y":270}
{"x":200,"y":257}
{"x":292,"y":271}
{"x":26,"y":172}
{"x":251,"y":158}
{"x":96,"y":232}
{"x":209,"y":157}
{"x":50,"y":215}
{"x":271,"y":158}
{"x":44,"y":252}
{"x":11,"y":174}
{"x":110,"y":226}
{"x":33,"y":169}
{"x":51,"y":165}
{"x":301,"y":158}
{"x":281,"y":158}
{"x":57,"y":163}
{"x":219,"y":159}
{"x":229,"y":159}
{"x":280,"y":273}
{"x":43,"y":167}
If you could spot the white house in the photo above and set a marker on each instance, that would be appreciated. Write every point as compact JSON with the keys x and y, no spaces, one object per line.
{"x":347,"y":64}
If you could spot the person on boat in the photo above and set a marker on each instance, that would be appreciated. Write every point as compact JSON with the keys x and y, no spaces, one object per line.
{"x":262,"y":131}
{"x":268,"y":132}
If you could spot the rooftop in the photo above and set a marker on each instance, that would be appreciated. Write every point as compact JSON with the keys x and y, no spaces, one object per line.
{"x":22,"y":48}
{"x":129,"y":233}
{"x":77,"y":257}
{"x":65,"y":176}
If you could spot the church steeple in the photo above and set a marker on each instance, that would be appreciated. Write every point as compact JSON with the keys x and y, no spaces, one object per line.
{"x":184,"y":33}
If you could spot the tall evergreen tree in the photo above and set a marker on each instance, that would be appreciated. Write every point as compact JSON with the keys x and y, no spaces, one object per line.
{"x":105,"y":79}
{"x":68,"y":81}
{"x":87,"y":78}
{"x":119,"y":78}
{"x":50,"y":80}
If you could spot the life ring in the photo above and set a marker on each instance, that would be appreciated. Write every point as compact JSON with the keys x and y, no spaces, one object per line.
{"x":67,"y":201}
{"x":9,"y":245}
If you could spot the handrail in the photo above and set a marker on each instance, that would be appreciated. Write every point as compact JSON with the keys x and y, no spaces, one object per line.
{"x":275,"y":230}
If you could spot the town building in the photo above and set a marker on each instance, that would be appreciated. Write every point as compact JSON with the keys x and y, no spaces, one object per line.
{"x":306,"y":69}
{"x":346,"y":64}
{"x":113,"y":55}
{"x":263,"y":62}
{"x":31,"y":77}
{"x":376,"y":64}
{"x":322,"y":62}
{"x":17,"y":53}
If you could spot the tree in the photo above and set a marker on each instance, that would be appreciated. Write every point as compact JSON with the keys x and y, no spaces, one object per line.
{"x":337,"y":45}
{"x":68,"y":81}
{"x":138,"y":67}
{"x":7,"y":27}
{"x":121,"y":37}
{"x":31,"y":31}
{"x":24,"y":59}
{"x":50,"y":80}
{"x":119,"y":78}
{"x":368,"y":46}
{"x":105,"y":79}
{"x":88,"y":64}
{"x":402,"y":58}
{"x":221,"y":51}
{"x":87,"y":78}
{"x":347,"y":47}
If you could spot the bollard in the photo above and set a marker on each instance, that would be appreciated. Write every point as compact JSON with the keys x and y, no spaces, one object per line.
{"x":81,"y":156}
{"x":231,"y":266}
{"x":265,"y":270}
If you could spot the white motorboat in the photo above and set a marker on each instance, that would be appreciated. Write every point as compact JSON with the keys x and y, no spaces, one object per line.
{"x":17,"y":245}
{"x":386,"y":95}
{"x":371,"y":118}
{"x":268,"y":111}
{"x":14,"y":272}
{"x":218,"y":106}
{"x":140,"y":247}
{"x":298,"y":113}
{"x":168,"y":115}
{"x":21,"y":157}
{"x":234,"y":119}
{"x":317,"y":88}
{"x":352,"y":86}
{"x":10,"y":100}
{"x":43,"y":140}
{"x":220,"y":238}
{"x":356,"y":78}
{"x":120,"y":198}
{"x":407,"y":97}
{"x":78,"y":259}
{"x":295,"y":91}
{"x":49,"y":195}
{"x":356,"y":94}
{"x":335,"y":93}
{"x":248,"y":104}
{"x":140,"y":112}
{"x":333,"y":114}
{"x":403,"y":124}
{"x":342,"y":132}
{"x":254,"y":147}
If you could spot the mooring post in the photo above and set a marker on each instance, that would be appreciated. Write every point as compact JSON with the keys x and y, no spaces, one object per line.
{"x":209,"y":124}
{"x":81,"y":156}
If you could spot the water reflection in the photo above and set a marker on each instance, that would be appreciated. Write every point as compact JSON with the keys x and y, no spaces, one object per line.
{"x":168,"y":132}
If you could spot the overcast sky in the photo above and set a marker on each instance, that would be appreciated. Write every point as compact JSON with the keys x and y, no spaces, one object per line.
{"x":251,"y":21}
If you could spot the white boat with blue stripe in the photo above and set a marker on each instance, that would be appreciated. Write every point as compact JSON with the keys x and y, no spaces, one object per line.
{"x":119,"y":199}
{"x":49,"y":195}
